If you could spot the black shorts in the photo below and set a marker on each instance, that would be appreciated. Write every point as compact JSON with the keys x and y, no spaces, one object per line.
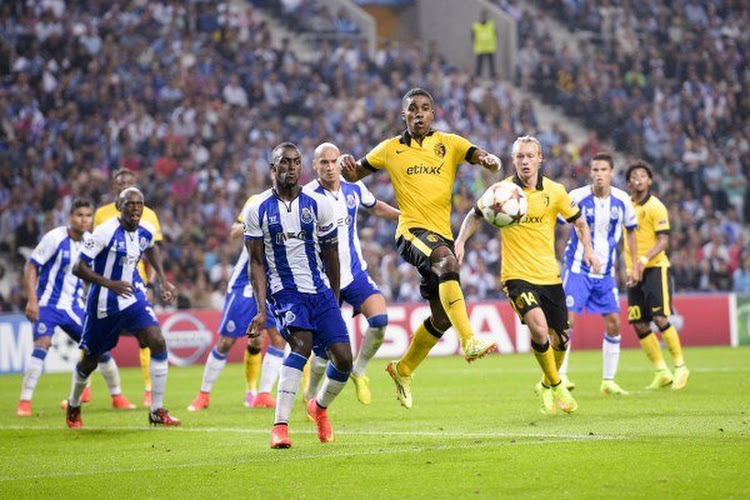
{"x":416,"y":247}
{"x":525,"y":296}
{"x":652,"y":296}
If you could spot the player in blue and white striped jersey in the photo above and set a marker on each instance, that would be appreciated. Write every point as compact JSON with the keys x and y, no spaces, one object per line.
{"x":608,"y":212}
{"x":55,"y":299}
{"x":357,"y":287}
{"x":117,"y":300}
{"x":239,"y":310}
{"x":290,"y":234}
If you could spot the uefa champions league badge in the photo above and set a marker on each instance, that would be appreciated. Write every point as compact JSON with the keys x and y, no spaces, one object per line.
{"x":307,"y":215}
{"x":89,"y":243}
{"x":351,"y":201}
{"x":143,"y":243}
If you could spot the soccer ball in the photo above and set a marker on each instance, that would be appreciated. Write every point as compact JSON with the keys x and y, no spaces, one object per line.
{"x":503,"y":204}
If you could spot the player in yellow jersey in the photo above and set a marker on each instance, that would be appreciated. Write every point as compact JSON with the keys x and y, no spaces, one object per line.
{"x":651,"y":298}
{"x":121,"y":180}
{"x":530,"y":272}
{"x":422,"y":164}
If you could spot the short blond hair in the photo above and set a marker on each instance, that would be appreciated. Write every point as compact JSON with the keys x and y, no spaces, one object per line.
{"x":525,"y":138}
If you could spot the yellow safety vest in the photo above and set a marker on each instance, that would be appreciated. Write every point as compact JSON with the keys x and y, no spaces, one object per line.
{"x":485,"y":40}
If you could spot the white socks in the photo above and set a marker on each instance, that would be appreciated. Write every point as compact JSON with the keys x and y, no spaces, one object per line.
{"x":317,"y":370}
{"x":111,"y":375}
{"x":270,"y":369}
{"x":215,"y":363}
{"x":32,"y":372}
{"x":289,"y":380}
{"x":77,"y":387}
{"x":610,"y":356}
{"x":158,"y":369}
{"x":333,"y":384}
{"x":370,"y":344}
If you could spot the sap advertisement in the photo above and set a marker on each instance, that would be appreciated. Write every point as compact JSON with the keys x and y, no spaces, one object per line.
{"x":702,"y":320}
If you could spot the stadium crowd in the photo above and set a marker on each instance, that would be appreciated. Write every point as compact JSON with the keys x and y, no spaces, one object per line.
{"x":197,"y":95}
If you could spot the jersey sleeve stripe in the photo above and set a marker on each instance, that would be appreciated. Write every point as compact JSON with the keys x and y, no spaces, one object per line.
{"x":574,"y":217}
{"x":470,"y":153}
{"x":366,"y":164}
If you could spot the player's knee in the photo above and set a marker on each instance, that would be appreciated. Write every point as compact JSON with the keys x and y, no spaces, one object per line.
{"x":225,"y":344}
{"x":157,"y":344}
{"x":642,"y":330}
{"x":662,"y":322}
{"x":275,"y":339}
{"x":612,"y":324}
{"x":342,"y":359}
{"x":563,"y":340}
{"x":43,"y":342}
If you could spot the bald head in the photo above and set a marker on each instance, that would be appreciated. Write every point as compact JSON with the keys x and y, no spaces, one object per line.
{"x":325,"y":166}
{"x":326,"y":146}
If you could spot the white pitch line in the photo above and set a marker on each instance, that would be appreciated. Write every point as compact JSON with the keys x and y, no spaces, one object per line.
{"x":280,"y":457}
{"x":239,"y":430}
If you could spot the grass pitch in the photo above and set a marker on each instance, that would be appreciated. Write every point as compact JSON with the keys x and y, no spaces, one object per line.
{"x":474,"y":431}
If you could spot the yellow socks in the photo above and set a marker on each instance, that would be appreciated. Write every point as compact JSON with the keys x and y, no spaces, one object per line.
{"x":425,"y":338}
{"x":651,"y":347}
{"x":452,"y":299}
{"x":546,"y":359}
{"x":559,"y":357}
{"x":672,"y":339}
{"x":252,"y":369}
{"x":145,"y":357}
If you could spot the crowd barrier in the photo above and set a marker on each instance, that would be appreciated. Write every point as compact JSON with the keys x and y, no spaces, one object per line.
{"x":703,"y":320}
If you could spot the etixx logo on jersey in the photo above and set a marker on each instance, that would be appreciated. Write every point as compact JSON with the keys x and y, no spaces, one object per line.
{"x":187,"y":338}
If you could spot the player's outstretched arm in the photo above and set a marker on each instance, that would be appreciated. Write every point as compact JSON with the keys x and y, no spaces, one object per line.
{"x":589,"y":257}
{"x":153,"y":256}
{"x":468,"y":227}
{"x":30,"y":276}
{"x":258,"y":281}
{"x":487,"y":160}
{"x":351,"y":169}
{"x":84,"y":271}
{"x":384,"y":210}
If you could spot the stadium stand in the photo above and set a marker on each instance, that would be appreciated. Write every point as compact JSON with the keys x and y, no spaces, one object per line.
{"x":193,"y":95}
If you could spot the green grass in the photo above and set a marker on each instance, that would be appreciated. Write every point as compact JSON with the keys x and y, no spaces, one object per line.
{"x":474,"y":431}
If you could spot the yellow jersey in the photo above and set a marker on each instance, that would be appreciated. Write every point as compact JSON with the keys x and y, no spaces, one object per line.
{"x":422,"y":177}
{"x":653,"y":220}
{"x":109,"y":211}
{"x":528,"y":248}
{"x":240,"y":218}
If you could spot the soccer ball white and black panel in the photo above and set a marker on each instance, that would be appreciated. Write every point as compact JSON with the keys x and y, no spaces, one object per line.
{"x":503,"y":204}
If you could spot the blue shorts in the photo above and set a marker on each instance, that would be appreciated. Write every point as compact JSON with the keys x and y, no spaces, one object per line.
{"x":101,"y":334}
{"x":239,"y":311}
{"x":597,"y":295}
{"x":70,"y":320}
{"x":318,"y":313}
{"x":358,"y":291}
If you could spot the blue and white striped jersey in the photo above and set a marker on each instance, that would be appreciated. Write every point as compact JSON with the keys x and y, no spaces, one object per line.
{"x":54,"y":257}
{"x":292,"y":233}
{"x":346,"y":202}
{"x":606,"y":218}
{"x":114,"y":253}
